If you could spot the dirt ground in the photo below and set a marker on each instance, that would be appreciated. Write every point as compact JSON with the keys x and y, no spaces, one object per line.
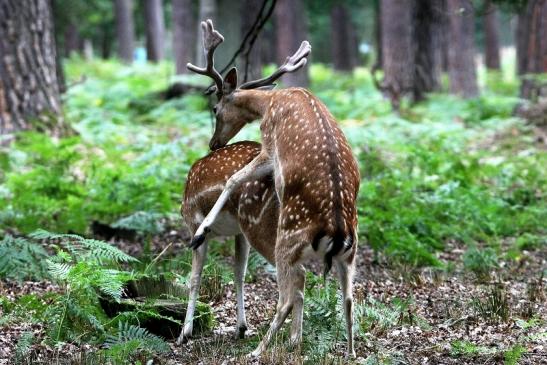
{"x":444,"y":310}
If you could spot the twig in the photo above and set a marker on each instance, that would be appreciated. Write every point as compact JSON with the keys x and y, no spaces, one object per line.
{"x":157,"y":257}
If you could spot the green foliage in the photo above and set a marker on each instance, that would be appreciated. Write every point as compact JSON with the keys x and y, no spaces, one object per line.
{"x":494,"y":306}
{"x":130,"y":340}
{"x":481,"y":261}
{"x":21,"y":259}
{"x":514,"y":354}
{"x":23,"y":346}
{"x":142,"y":222}
{"x":324,"y":323}
{"x":462,"y":348}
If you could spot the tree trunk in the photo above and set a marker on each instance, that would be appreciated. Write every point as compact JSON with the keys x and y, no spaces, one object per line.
{"x":341,"y":40}
{"x":290,"y":19}
{"x":106,"y":41}
{"x":29,"y":91}
{"x":253,"y":65}
{"x":155,"y":29}
{"x":73,"y":41}
{"x":270,"y":40}
{"x":378,"y":35}
{"x":125,"y":30}
{"x":427,"y":30}
{"x":183,"y":34}
{"x":461,"y":49}
{"x":397,"y":49}
{"x":533,"y":48}
{"x":207,"y":10}
{"x":491,"y":36}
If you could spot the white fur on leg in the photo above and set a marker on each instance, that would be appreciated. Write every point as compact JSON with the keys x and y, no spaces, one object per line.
{"x":240,"y":268}
{"x":198,"y":260}
{"x":345,"y":273}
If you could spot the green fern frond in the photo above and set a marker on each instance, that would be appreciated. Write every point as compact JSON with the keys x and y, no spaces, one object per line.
{"x":130,"y":335}
{"x":23,"y":346}
{"x":59,"y":271}
{"x":80,"y":246}
{"x":21,"y":259}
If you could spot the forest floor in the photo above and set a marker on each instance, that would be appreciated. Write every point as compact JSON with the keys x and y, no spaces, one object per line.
{"x":417,"y":316}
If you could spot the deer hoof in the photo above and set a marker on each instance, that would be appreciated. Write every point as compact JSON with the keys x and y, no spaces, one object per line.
{"x":240,"y":332}
{"x":183,"y":339}
{"x":198,"y":239}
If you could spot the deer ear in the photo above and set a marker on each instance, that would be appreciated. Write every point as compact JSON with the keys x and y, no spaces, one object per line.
{"x":230,"y":81}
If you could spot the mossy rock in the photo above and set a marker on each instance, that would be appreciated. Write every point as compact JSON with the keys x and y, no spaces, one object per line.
{"x":158,"y":305}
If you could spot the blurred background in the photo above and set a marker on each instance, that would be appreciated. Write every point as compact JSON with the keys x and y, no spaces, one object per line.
{"x":444,"y":103}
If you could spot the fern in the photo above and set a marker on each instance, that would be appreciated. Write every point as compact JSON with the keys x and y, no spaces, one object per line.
{"x":24,"y":344}
{"x":142,"y":222}
{"x":21,"y":259}
{"x":132,"y":338}
{"x":85,"y":248}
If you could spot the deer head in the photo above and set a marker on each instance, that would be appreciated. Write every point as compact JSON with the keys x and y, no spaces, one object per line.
{"x":233,"y":109}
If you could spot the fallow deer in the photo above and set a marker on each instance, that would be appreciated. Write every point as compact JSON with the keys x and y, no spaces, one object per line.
{"x":315,"y":174}
{"x":250,"y":215}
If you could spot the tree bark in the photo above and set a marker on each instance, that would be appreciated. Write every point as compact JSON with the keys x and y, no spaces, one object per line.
{"x":251,"y":8}
{"x":461,"y":49}
{"x":491,"y":36}
{"x":29,"y":90}
{"x":378,"y":34}
{"x":427,"y":30}
{"x":73,"y":41}
{"x":342,"y":43}
{"x":183,"y":34}
{"x":533,"y":46}
{"x":207,"y":10}
{"x":125,"y":29}
{"x":397,"y":49}
{"x":155,"y":30}
{"x":290,"y":19}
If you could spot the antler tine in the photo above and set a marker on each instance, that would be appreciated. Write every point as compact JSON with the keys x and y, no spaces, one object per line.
{"x":211,"y":40}
{"x":292,"y":63}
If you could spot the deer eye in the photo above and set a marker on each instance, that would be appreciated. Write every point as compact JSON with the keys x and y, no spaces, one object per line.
{"x":215,"y":109}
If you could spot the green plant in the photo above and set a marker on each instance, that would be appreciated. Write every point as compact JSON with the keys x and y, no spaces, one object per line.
{"x":513,"y":355}
{"x":82,"y":267}
{"x":494,"y":306}
{"x":21,"y":259}
{"x":23,"y":346}
{"x":130,"y":341}
{"x":480,"y":261}
{"x":462,"y":348}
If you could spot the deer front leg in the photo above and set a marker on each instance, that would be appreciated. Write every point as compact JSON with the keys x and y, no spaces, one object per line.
{"x":256,"y":169}
{"x":240,"y":267}
{"x":198,"y":260}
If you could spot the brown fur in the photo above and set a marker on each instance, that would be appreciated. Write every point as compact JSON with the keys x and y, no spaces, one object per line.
{"x":246,"y":205}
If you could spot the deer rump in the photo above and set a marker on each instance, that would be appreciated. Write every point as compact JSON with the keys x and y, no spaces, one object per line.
{"x":253,"y":208}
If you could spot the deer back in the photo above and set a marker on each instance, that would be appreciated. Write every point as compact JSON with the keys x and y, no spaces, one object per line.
{"x":317,"y":177}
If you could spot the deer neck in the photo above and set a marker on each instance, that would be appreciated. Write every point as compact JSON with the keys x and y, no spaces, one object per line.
{"x":254,"y":102}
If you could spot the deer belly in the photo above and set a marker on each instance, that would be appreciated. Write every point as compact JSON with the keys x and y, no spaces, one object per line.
{"x":225,"y":225}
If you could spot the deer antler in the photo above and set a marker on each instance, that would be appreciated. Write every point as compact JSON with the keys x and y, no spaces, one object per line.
{"x":292,"y":63}
{"x":211,"y":40}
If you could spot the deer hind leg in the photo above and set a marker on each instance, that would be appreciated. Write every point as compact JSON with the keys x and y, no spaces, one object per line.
{"x":298,"y":306}
{"x":198,"y":260}
{"x":289,"y":280}
{"x":240,"y":268}
{"x":257,"y":168}
{"x":345,"y":270}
